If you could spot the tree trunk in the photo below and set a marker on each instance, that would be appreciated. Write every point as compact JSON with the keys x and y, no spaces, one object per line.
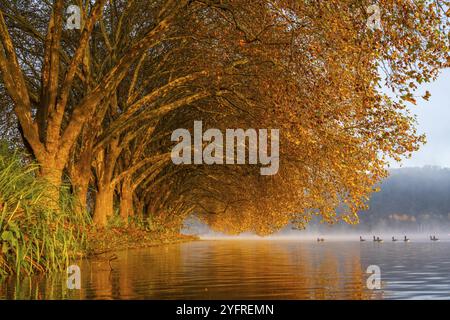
{"x":104,"y":166}
{"x":140,"y":207}
{"x":104,"y":206}
{"x":52,"y":174}
{"x":80,"y":191}
{"x":80,"y":176}
{"x":126,"y":200}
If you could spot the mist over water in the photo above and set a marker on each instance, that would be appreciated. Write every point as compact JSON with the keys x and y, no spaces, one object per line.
{"x":339,"y":232}
{"x":412,"y":201}
{"x":349,"y":236}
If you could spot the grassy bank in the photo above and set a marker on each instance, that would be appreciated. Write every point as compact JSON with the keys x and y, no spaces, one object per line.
{"x":34,"y":236}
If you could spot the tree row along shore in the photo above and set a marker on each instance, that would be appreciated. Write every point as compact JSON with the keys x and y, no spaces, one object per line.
{"x":86,"y":115}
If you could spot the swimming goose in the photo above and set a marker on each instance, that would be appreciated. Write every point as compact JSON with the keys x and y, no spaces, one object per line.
{"x":361,"y":239}
{"x":320,"y":239}
{"x":393,"y":239}
{"x":433,"y":238}
{"x":406,"y":239}
{"x":377,"y":239}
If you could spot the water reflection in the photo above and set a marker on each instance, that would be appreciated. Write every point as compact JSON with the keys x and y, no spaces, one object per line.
{"x":251,"y":270}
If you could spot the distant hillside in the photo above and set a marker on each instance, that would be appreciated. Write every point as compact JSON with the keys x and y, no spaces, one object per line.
{"x":411,"y":196}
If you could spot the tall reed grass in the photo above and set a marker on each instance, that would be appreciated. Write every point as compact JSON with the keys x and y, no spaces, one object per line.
{"x":34,"y":236}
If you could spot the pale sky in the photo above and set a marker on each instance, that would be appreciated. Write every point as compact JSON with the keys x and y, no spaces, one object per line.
{"x":434,"y":120}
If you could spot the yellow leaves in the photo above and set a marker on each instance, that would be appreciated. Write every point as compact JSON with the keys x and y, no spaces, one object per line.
{"x":409,"y":97}
{"x":394,"y":55}
{"x":426,"y":96}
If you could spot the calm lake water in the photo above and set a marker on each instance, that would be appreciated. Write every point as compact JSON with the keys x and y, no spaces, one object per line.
{"x":254,"y":270}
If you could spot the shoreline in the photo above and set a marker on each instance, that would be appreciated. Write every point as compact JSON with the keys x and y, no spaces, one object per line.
{"x":119,"y":239}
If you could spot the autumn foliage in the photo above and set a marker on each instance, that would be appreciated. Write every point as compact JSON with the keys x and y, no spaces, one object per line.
{"x":96,"y":106}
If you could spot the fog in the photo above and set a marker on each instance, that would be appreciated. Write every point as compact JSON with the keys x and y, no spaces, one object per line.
{"x":413,"y":201}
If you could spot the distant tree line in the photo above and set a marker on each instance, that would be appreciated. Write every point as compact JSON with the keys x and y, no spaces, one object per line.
{"x":411,"y":197}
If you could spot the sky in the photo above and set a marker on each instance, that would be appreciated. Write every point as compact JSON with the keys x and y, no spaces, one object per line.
{"x":434,"y":120}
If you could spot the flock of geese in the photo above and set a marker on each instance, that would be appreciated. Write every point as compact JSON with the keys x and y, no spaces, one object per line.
{"x":378,"y":239}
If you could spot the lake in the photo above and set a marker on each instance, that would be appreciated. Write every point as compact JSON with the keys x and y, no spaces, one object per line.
{"x":254,"y":269}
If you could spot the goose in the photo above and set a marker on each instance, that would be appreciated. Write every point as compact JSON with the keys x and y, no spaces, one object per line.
{"x":361,"y":239}
{"x":377,"y":239}
{"x":406,"y":239}
{"x":393,"y":239}
{"x":433,"y":238}
{"x":320,"y":239}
